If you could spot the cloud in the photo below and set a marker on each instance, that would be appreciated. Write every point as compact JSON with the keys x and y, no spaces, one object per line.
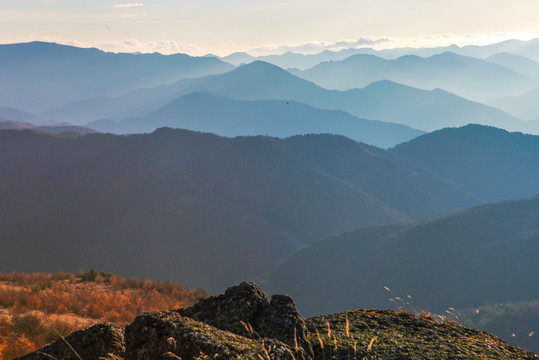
{"x":172,"y":47}
{"x":313,"y":47}
{"x":166,"y":46}
{"x":381,"y":43}
{"x":129,"y":45}
{"x":123,"y":6}
{"x":133,"y":45}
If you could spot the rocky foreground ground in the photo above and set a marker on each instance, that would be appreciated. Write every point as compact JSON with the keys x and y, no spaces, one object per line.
{"x":243,"y":324}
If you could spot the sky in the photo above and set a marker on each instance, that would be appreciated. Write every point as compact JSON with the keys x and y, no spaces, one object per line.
{"x":260,"y":26}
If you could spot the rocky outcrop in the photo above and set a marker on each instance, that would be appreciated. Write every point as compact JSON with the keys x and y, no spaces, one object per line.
{"x":242,"y":325}
{"x":161,"y":335}
{"x":245,"y":310}
{"x":101,"y":341}
{"x":168,"y":335}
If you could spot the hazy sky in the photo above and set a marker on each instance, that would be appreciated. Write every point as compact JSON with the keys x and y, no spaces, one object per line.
{"x":224,"y":26}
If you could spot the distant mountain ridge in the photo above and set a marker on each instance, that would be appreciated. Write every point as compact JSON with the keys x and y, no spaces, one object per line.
{"x":16,"y":115}
{"x":38,"y":76}
{"x":384,"y":100}
{"x":290,"y":59}
{"x":471,"y":78}
{"x":14,"y":125}
{"x":52,"y":129}
{"x":524,"y":105}
{"x":226,"y":117}
{"x":519,"y":64}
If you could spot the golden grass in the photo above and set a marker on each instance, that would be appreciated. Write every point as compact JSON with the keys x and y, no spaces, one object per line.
{"x":36,"y":309}
{"x":424,"y":315}
{"x":371,"y":343}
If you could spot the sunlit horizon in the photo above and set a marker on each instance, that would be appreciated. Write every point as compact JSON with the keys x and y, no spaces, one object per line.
{"x":168,"y":47}
{"x":264,"y":27}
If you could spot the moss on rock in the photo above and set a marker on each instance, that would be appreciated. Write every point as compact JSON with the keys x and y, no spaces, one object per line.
{"x":102,"y":341}
{"x":169,"y":335}
{"x":245,"y":310}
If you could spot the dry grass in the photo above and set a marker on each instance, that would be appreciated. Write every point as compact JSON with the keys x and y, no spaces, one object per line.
{"x":448,"y":321}
{"x":404,"y":313}
{"x":426,"y":316}
{"x":36,"y":309}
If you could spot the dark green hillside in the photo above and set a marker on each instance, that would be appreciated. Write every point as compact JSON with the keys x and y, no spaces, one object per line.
{"x":194,"y":207}
{"x":167,"y":205}
{"x":482,"y":255}
{"x":13,"y":125}
{"x":53,"y":129}
{"x":65,"y":129}
{"x":491,"y":163}
{"x":395,"y":180}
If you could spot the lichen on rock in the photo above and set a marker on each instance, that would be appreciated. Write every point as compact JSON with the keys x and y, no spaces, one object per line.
{"x":244,"y":309}
{"x":102,"y":341}
{"x":167,"y":334}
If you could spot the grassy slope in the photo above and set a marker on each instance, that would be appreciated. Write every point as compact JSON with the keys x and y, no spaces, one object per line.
{"x":516,"y":323}
{"x":379,"y":334}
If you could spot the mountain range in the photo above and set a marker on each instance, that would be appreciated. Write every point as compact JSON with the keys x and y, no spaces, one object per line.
{"x":65,"y":84}
{"x":52,"y":129}
{"x":195,"y":207}
{"x":491,"y":163}
{"x":478,"y":256}
{"x":193,"y":169}
{"x":525,"y":105}
{"x":528,"y":49}
{"x":38,"y":76}
{"x":470,"y":258}
{"x":226,"y":117}
{"x":387,"y":101}
{"x":516,"y":63}
{"x":471,"y":78}
{"x":16,"y":115}
{"x":525,"y":48}
{"x":293,"y":60}
{"x":174,"y":200}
